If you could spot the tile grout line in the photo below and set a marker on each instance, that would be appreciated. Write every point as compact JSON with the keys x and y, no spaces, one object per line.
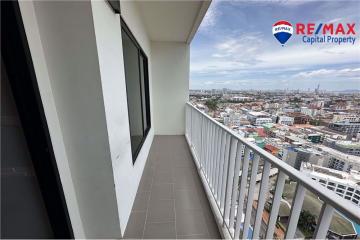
{"x":147,"y":205}
{"x":173,"y":191}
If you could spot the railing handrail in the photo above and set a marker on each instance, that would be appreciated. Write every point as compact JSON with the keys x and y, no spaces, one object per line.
{"x":342,"y":205}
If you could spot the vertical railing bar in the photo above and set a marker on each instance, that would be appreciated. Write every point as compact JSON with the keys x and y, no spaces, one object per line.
{"x":225,"y":172}
{"x":195,"y":135}
{"x":220,"y":166}
{"x":212,"y":168}
{"x":211,"y":152}
{"x":187,"y":118}
{"x":234,"y":195}
{"x":204,"y":143}
{"x":201,"y":139}
{"x":198,"y":135}
{"x":295,"y":211}
{"x":244,"y":173}
{"x":207,"y":132}
{"x":324,"y":221}
{"x":214,"y":159}
{"x":280,"y":182}
{"x":261,"y":199}
{"x":250,"y":198}
{"x":191,"y":127}
{"x":230,"y":178}
{"x":216,"y":163}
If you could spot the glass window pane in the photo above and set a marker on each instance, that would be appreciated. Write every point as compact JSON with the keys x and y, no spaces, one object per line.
{"x":132,"y":75}
{"x":143,"y":89}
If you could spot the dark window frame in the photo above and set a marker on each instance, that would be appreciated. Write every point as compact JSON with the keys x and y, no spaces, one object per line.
{"x":24,"y":86}
{"x":141,"y":53}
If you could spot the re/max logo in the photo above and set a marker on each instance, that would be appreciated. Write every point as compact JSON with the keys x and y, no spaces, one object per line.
{"x":328,"y":28}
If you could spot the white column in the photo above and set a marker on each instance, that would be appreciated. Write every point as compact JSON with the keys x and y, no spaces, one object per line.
{"x":250,"y":197}
{"x":244,"y":173}
{"x":324,"y":221}
{"x":262,"y":199}
{"x":275,"y":204}
{"x":295,"y":211}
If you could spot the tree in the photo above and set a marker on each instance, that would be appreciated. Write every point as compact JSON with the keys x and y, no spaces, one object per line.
{"x":307,"y":222}
{"x":212,"y":104}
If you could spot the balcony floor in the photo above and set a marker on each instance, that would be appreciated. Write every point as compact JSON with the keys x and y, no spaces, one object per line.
{"x":171,"y":202}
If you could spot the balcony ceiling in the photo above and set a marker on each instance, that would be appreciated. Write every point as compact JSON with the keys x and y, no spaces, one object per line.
{"x":174,"y":21}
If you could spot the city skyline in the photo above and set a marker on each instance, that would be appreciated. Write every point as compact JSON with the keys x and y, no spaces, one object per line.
{"x":235,"y":48}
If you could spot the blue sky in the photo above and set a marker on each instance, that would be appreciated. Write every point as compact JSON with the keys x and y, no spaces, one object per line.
{"x":234,"y":47}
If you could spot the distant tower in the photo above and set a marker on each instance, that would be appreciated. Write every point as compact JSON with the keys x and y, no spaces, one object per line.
{"x":317,"y":90}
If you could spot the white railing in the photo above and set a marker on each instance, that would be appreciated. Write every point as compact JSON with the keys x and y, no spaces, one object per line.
{"x":222,"y":157}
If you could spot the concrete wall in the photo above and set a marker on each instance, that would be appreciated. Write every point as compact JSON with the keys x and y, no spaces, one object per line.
{"x":68,"y":52}
{"x":108,"y":38}
{"x":170,"y":74}
{"x":77,"y":54}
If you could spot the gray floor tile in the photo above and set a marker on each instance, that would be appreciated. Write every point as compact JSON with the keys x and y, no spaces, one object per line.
{"x":145,"y":185}
{"x":198,"y":236}
{"x":141,"y":201}
{"x":135,"y":225}
{"x":210,"y":222}
{"x":187,"y":199}
{"x":163,"y":177}
{"x":171,"y":174}
{"x":184,"y":163}
{"x":148,"y":173}
{"x":160,"y":230}
{"x":185,"y":181}
{"x":162,"y":191}
{"x":190,"y":222}
{"x":161,"y":211}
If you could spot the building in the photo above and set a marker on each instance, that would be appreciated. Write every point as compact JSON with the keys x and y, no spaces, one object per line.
{"x":343,"y":184}
{"x":309,"y":111}
{"x":260,"y":121}
{"x":300,"y":118}
{"x":343,"y":117}
{"x":348,"y":147}
{"x":254,"y":116}
{"x":295,"y":156}
{"x":315,"y":137}
{"x":337,"y":160}
{"x":349,"y":128}
{"x":285,"y":120}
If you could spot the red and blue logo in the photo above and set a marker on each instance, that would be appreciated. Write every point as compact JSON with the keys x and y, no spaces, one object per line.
{"x":282,"y":31}
{"x":312,"y":33}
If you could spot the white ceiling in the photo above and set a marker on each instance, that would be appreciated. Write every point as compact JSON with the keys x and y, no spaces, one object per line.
{"x":172,"y":20}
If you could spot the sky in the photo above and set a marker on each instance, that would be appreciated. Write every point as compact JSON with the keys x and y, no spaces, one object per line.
{"x":234,"y":47}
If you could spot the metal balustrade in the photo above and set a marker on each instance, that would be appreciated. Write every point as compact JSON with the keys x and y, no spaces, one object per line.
{"x":224,"y":158}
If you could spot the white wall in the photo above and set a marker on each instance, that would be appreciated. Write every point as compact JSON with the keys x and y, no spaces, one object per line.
{"x":170,"y":74}
{"x":77,"y":54}
{"x":65,"y":58}
{"x":108,"y":38}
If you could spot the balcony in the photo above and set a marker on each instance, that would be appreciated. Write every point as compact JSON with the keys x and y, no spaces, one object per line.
{"x":191,"y":192}
{"x":205,"y":182}
{"x":171,"y":202}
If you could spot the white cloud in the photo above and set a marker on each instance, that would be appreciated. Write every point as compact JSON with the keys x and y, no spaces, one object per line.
{"x":353,"y":73}
{"x":239,"y":56}
{"x":335,"y":20}
{"x":211,"y":16}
